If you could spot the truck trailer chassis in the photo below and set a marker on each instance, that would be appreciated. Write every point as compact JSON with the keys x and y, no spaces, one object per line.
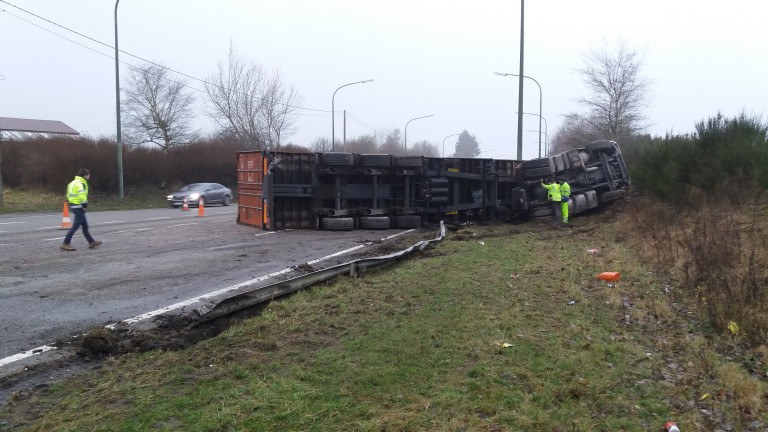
{"x":339,"y":191}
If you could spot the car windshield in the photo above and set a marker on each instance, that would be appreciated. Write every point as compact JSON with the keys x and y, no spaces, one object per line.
{"x":194,"y":187}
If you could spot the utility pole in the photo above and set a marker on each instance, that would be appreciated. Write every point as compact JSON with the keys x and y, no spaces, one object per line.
{"x":520,"y":92}
{"x":119,"y":131}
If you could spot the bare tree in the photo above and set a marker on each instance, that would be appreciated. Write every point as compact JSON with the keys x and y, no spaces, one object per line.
{"x":362,"y":144}
{"x":234,"y":102}
{"x":574,"y":132}
{"x":393,"y":143}
{"x":424,"y":148}
{"x":294,"y":148}
{"x":619,"y":91}
{"x":246,"y":103}
{"x":278,"y":111}
{"x":320,"y":145}
{"x":158,"y":109}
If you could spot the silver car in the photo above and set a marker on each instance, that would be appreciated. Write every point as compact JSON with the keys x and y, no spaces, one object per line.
{"x":211,"y":193}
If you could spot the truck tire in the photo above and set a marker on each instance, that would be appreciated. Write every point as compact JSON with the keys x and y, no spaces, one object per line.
{"x":374,"y":222}
{"x":534,"y":173}
{"x":338,"y":224}
{"x":337,"y":159}
{"x":541,"y":212}
{"x":374,"y":160}
{"x":536,"y":163}
{"x":612,"y":196}
{"x":409,"y":161}
{"x":602,"y":146}
{"x":407,"y":221}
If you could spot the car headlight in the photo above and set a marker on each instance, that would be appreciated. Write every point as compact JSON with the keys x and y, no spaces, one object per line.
{"x":194,"y":196}
{"x":170,"y":197}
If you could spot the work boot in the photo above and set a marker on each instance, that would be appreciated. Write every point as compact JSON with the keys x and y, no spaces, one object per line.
{"x":93,"y":244}
{"x":67,"y":247}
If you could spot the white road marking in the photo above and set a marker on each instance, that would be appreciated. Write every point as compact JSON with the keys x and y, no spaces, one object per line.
{"x":191,"y":301}
{"x":54,"y":239}
{"x":169,"y":308}
{"x":158,"y":218}
{"x":264,"y":233}
{"x":134,"y":230}
{"x":46,"y":228}
{"x":7,"y":223}
{"x":109,"y":222}
{"x":193,"y":223}
{"x":25,"y":354}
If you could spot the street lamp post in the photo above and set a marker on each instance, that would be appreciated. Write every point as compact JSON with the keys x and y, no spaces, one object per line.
{"x":333,"y":112}
{"x":540,"y":100}
{"x":446,"y":139}
{"x":520,"y":90}
{"x":117,"y":108}
{"x":546,"y":128}
{"x":405,"y":135}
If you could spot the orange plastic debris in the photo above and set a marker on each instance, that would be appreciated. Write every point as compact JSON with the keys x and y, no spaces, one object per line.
{"x":609,"y":276}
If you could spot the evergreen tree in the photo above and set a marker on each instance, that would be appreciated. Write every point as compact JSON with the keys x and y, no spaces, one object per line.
{"x":467,"y":146}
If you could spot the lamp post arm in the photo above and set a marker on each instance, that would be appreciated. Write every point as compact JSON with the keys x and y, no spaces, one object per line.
{"x":405,"y":134}
{"x":333,"y":110}
{"x":541,"y":98}
{"x":446,"y":139}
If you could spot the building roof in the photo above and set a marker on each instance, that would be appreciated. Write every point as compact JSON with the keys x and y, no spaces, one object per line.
{"x":11,"y":124}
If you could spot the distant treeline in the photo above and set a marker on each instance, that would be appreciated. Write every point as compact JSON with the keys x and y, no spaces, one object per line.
{"x":48,"y":164}
{"x":723,"y":156}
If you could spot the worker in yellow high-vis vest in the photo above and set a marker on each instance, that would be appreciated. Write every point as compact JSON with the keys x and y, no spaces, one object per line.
{"x":553,"y":196}
{"x":565,"y":196}
{"x":77,"y":198}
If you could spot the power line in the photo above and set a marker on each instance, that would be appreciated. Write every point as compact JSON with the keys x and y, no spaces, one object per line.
{"x":362,"y":123}
{"x":127,"y":53}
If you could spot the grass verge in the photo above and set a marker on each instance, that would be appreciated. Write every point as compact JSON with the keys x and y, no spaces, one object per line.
{"x":18,"y":201}
{"x":494,"y":329}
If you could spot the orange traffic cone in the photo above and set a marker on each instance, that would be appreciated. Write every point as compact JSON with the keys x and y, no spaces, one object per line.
{"x":200,"y":208}
{"x":66,"y":222}
{"x":185,"y":207}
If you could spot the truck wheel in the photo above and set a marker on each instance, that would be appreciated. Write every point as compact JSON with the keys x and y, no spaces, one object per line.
{"x":541,"y":212}
{"x":409,"y":161}
{"x":602,"y":146}
{"x":407,"y":221}
{"x":535,"y":163}
{"x":612,"y":196}
{"x":337,"y":159}
{"x":375,"y":160}
{"x":374,"y":222}
{"x":338,"y":224}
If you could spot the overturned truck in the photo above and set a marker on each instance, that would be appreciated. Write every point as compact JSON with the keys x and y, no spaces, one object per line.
{"x":339,"y":191}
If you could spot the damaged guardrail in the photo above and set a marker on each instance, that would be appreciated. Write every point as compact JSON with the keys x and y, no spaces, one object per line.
{"x":353,"y":268}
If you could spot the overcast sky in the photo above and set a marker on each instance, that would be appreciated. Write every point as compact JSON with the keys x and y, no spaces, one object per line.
{"x":426,"y":57}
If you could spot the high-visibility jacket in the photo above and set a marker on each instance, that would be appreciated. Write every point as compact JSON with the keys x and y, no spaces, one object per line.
{"x":553,"y":191}
{"x":77,"y":192}
{"x":565,"y":189}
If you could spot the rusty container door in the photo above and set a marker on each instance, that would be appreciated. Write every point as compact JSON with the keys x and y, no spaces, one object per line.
{"x":251,"y":206}
{"x":290,"y":186}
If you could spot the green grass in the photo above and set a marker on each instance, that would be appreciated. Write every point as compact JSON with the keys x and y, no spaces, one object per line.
{"x":17,"y":201}
{"x":416,"y":348}
{"x":420,"y":346}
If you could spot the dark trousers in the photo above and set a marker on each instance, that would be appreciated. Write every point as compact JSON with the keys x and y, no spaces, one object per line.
{"x":79,"y":221}
{"x":557,"y":211}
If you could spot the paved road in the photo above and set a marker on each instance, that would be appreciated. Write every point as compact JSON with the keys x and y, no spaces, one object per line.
{"x":150,"y":259}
